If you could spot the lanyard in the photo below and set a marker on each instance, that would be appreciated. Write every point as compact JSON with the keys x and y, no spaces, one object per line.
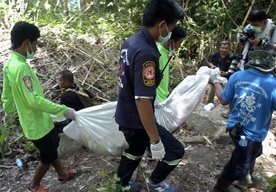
{"x":166,"y":64}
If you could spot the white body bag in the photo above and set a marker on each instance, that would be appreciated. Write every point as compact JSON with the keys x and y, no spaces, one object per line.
{"x":95,"y":127}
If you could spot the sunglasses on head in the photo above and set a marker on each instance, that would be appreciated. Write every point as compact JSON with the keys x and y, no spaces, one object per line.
{"x":225,"y":42}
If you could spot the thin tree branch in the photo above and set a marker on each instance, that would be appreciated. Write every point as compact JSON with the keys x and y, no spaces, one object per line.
{"x":249,"y":10}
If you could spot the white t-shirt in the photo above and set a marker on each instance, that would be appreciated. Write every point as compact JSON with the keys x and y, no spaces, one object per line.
{"x":266,"y":34}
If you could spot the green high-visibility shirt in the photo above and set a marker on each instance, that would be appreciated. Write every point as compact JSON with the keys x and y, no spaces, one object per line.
{"x":162,"y":90}
{"x":21,"y":87}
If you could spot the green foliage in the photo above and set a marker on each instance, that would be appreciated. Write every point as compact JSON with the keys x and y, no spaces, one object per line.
{"x":11,"y":136}
{"x":4,"y":145}
{"x":207,"y":22}
{"x":272,"y":184}
{"x":5,"y":131}
{"x":210,"y":21}
{"x":108,"y":183}
{"x":214,"y":20}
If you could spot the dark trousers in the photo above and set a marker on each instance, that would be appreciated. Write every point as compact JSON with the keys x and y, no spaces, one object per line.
{"x":242,"y":158}
{"x":60,"y":125}
{"x":138,"y":140}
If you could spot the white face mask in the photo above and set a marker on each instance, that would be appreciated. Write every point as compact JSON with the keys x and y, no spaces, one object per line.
{"x":164,"y":39}
{"x":30,"y":55}
{"x":256,"y":30}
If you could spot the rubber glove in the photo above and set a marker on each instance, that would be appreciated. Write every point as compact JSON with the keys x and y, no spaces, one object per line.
{"x":214,"y":79}
{"x":157,"y":150}
{"x":70,"y":113}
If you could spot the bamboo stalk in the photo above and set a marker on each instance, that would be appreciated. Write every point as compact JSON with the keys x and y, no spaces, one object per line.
{"x":270,"y":5}
{"x":247,"y":14}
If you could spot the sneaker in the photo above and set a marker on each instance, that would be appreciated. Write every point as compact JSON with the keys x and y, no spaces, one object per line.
{"x":160,"y":187}
{"x":132,"y":187}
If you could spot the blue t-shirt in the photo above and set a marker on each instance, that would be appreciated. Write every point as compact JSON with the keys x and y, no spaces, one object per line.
{"x":253,"y":97}
{"x":139,"y":76}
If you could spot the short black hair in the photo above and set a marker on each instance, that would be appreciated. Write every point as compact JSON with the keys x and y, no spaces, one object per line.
{"x":178,"y":33}
{"x":21,"y":31}
{"x":257,"y":15}
{"x":67,"y":75}
{"x":159,"y":10}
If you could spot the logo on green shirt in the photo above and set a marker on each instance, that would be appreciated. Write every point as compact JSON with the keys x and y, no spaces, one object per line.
{"x":28,"y":82}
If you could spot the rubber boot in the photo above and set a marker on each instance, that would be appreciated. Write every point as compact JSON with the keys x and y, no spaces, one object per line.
{"x":250,"y":180}
{"x":255,"y":179}
{"x":223,"y":185}
{"x":246,"y":181}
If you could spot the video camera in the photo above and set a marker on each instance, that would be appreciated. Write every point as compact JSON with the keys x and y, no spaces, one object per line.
{"x":247,"y":34}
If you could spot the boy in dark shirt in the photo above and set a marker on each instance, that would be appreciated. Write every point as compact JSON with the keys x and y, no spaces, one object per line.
{"x":69,"y":97}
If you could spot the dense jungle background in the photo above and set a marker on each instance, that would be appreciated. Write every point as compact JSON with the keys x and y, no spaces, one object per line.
{"x":85,"y":36}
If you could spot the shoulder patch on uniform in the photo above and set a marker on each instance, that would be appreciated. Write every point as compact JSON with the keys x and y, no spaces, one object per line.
{"x":28,"y":82}
{"x":148,"y":73}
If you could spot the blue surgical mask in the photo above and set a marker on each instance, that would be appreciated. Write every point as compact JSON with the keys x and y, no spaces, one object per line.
{"x":256,"y":30}
{"x":30,"y":55}
{"x":172,"y":50}
{"x":164,"y":39}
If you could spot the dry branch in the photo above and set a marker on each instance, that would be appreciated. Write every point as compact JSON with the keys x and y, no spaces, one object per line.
{"x":249,"y":10}
{"x":89,"y":62}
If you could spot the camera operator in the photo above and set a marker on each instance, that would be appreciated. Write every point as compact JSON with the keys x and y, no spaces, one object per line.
{"x":256,"y":34}
{"x":252,"y":95}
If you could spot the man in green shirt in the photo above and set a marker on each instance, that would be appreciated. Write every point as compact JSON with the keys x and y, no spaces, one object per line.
{"x":165,"y":49}
{"x":23,"y":92}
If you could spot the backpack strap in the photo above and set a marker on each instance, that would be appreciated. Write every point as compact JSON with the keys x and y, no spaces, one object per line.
{"x":83,"y":97}
{"x":80,"y":91}
{"x":70,"y":89}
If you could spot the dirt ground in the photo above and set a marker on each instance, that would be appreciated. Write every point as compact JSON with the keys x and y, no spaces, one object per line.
{"x":197,"y":171}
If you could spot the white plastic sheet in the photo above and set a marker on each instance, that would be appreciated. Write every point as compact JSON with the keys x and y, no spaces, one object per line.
{"x":96,"y":128}
{"x":175,"y":110}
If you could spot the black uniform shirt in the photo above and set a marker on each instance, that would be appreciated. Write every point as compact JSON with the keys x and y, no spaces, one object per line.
{"x":139,"y":76}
